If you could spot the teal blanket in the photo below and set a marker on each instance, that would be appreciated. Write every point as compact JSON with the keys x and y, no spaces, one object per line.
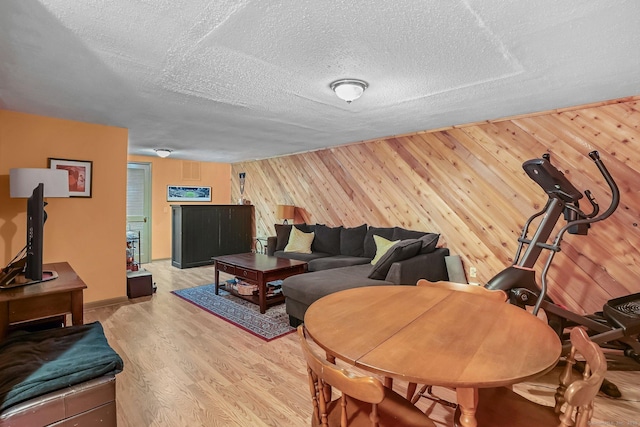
{"x":32,"y":364}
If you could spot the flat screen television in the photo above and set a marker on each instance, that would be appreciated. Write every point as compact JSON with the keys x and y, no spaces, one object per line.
{"x":36,"y":217}
{"x":26,"y":267}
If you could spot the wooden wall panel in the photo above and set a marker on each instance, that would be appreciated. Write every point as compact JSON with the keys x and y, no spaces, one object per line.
{"x":467,"y":183}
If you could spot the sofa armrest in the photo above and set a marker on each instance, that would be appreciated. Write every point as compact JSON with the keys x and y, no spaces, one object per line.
{"x":271,"y":245}
{"x":431,"y":266}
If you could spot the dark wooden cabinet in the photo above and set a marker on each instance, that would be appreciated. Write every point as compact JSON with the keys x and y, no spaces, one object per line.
{"x":200,"y":232}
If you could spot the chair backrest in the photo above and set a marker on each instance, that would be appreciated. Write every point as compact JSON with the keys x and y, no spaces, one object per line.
{"x":497,"y":295}
{"x":324,"y":375}
{"x":579,"y":394}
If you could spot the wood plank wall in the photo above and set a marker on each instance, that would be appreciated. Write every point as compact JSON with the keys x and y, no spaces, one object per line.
{"x":467,"y":183}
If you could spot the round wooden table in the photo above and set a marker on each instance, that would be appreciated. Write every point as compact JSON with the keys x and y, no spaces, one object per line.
{"x":434,"y":336}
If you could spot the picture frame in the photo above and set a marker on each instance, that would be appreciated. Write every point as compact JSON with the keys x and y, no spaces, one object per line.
{"x":187,"y":193}
{"x":80,"y":175}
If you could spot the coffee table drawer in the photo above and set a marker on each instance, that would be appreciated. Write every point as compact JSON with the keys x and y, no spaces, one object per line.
{"x":229,"y":269}
{"x":247,"y":274}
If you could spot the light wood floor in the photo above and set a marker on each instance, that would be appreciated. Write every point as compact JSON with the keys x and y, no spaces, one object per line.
{"x":186,"y":367}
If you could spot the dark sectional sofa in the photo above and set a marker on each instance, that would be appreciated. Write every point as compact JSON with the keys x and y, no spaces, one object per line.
{"x":341,"y":257}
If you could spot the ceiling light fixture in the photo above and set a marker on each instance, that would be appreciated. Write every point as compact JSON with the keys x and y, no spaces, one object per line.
{"x":349,"y":89}
{"x":163,"y":152}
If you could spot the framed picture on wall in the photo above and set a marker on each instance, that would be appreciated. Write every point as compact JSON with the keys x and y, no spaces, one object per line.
{"x":182,"y":193}
{"x":80,"y":175}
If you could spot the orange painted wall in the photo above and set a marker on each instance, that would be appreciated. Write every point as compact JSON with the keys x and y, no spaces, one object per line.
{"x":168,"y":171}
{"x":89,"y":233}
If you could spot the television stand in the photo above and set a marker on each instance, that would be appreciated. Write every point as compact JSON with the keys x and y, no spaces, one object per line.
{"x":21,"y":280}
{"x":43,"y":300}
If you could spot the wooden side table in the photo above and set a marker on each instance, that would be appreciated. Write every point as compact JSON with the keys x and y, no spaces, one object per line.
{"x":43,"y":300}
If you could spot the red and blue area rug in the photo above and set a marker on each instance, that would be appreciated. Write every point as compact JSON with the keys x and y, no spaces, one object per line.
{"x":243,"y":314}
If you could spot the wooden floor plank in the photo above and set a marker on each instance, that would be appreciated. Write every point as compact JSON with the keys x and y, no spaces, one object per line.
{"x":186,"y":367}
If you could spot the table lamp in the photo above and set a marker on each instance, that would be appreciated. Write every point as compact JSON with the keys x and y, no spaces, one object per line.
{"x":34,"y":184}
{"x":286,"y":212}
{"x":22,"y":181}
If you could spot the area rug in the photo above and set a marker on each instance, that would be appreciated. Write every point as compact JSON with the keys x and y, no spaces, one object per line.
{"x":243,"y":314}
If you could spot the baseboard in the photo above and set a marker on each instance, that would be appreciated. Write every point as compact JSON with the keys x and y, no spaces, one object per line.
{"x":105,"y":303}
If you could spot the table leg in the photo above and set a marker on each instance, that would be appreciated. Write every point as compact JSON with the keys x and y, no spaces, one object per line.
{"x":77,"y":309}
{"x":411,"y":390}
{"x":4,"y":319}
{"x":262,"y":295}
{"x":468,"y":403}
{"x":217,"y":279}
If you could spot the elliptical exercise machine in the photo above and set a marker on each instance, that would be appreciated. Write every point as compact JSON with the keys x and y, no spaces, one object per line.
{"x":618,"y":324}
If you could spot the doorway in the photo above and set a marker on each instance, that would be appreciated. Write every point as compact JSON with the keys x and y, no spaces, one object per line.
{"x":139,"y":209}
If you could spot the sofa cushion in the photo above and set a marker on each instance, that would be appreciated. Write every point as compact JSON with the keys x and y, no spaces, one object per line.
{"x":352,"y":241}
{"x":400,"y":233}
{"x":299,"y":241}
{"x":284,"y":230}
{"x":309,"y":287}
{"x":327,"y":239}
{"x":282,"y":235}
{"x":370,"y":245}
{"x":429,"y":242}
{"x":382,"y":246}
{"x":335,"y":261}
{"x":306,"y":228}
{"x":300,"y":256}
{"x":400,"y":251}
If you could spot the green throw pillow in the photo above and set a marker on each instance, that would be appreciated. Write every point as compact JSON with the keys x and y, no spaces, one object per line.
{"x":299,"y":242}
{"x":382,"y":246}
{"x":402,"y":250}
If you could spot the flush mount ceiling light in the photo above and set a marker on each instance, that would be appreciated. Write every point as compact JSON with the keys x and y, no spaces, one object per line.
{"x":163,"y":152}
{"x":349,"y":89}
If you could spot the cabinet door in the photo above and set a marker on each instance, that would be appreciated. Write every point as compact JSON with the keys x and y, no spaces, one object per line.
{"x":200,"y":239}
{"x":235,"y":229}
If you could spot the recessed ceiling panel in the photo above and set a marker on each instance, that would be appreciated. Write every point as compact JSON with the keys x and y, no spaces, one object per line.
{"x":408,"y":51}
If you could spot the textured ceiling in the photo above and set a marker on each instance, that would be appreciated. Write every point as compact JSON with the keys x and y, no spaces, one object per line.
{"x":229,"y":81}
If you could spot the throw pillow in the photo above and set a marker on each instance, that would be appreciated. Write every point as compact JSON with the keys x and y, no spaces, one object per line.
{"x":400,"y":233}
{"x":282,"y":235}
{"x":402,"y":250}
{"x":327,"y":239}
{"x":299,"y":241}
{"x":382,"y":246}
{"x":352,"y":240}
{"x":305,"y":228}
{"x":429,"y":242}
{"x":370,"y":244}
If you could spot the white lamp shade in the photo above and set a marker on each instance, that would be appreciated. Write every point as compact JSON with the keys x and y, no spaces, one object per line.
{"x":23,"y":181}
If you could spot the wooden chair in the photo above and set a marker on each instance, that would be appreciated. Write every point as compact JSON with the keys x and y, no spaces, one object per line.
{"x":426,"y":391}
{"x":502,"y":407}
{"x":364,"y":401}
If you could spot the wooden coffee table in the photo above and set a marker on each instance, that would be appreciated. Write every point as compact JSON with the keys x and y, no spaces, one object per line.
{"x":257,"y":269}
